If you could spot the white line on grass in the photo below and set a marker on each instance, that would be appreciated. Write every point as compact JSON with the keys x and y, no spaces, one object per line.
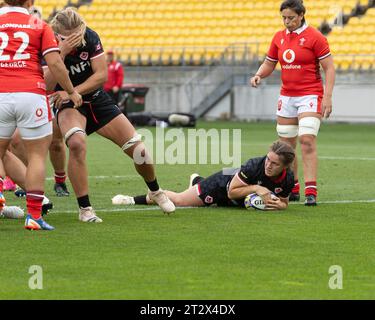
{"x":346,"y":158}
{"x":154,"y":208}
{"x":130,"y":176}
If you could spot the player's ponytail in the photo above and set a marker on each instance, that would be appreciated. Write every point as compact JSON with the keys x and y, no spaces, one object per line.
{"x":68,"y":19}
{"x":295,"y":5}
{"x":285,"y":151}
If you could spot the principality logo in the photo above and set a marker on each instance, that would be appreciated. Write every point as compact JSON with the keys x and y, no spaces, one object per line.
{"x":84,"y":55}
{"x":289,"y":56}
{"x":39,"y":112}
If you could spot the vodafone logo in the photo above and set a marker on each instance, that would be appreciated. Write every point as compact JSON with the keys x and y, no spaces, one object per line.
{"x":289,"y":56}
{"x":39,"y":112}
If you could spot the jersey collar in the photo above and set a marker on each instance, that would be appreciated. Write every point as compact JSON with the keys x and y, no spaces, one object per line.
{"x":280,"y":178}
{"x":5,"y":10}
{"x":299,"y":30}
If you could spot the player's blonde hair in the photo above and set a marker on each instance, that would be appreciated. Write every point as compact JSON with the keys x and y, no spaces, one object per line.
{"x":69,"y":19}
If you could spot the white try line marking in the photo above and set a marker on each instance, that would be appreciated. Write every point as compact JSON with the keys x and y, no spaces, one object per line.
{"x":130,"y":176}
{"x":346,"y":158}
{"x":155,"y":208}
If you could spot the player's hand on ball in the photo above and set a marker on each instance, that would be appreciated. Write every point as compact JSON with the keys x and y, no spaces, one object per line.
{"x":264,"y":193}
{"x":255,"y":81}
{"x":274,"y":204}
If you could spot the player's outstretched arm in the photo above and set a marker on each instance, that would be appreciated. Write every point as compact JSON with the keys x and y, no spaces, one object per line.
{"x":239,"y":190}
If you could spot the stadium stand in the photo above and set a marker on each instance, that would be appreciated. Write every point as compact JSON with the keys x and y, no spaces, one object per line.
{"x":196,"y":32}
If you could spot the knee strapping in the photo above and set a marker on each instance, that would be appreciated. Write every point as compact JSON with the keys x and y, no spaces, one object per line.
{"x":132,"y":142}
{"x":287,"y":131}
{"x":309,"y":125}
{"x":71,"y":132}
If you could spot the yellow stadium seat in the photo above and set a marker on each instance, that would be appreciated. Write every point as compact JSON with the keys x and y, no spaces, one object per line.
{"x":215,"y":25}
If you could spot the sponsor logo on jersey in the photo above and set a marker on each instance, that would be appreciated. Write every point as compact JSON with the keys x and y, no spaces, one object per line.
{"x":209,"y":199}
{"x":243,"y":175}
{"x":278,"y":190}
{"x":260,"y":183}
{"x":289,"y":56}
{"x":39,"y":112}
{"x":79,"y":67}
{"x":84,"y":55}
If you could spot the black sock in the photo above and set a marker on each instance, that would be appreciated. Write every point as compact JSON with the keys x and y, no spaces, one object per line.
{"x":84,"y":201}
{"x":197,"y":180}
{"x":140,"y":199}
{"x":153,"y":185}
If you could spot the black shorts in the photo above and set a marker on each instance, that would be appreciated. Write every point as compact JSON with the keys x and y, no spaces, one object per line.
{"x":98,"y":112}
{"x":214,"y":190}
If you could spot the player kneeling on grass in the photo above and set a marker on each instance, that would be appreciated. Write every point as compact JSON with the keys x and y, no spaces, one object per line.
{"x":263,"y":176}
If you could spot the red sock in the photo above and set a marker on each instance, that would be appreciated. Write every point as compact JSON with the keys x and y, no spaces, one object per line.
{"x":311,"y":189}
{"x":34,"y":201}
{"x":296,"y":187}
{"x":60,"y":177}
{"x":1,"y":184}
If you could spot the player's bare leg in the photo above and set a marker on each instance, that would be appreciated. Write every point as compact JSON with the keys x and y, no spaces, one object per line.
{"x":122,"y":133}
{"x":77,"y":168}
{"x":310,"y":163}
{"x":36,"y":151}
{"x":57,"y":156}
{"x":4,"y":143}
{"x":15,"y":168}
{"x":17,"y":147}
{"x":187,"y":198}
{"x":310,"y":122}
{"x":295,"y":195}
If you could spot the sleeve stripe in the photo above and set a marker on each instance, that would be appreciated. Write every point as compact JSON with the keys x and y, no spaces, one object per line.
{"x":325,"y":56}
{"x":243,"y":182}
{"x":271,"y":59}
{"x":50,"y":50}
{"x":97,"y":56}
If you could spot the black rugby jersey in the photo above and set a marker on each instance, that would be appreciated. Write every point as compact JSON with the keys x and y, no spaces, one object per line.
{"x":78,"y":62}
{"x":252,"y":172}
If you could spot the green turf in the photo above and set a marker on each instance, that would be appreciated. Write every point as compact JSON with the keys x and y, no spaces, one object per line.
{"x":208,"y":253}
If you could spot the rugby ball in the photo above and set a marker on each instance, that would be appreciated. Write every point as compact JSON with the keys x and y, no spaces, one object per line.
{"x":254,"y":201}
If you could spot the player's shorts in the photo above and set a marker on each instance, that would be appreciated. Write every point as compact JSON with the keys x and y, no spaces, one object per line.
{"x":291,"y":107}
{"x":29,"y":112}
{"x":98,"y":112}
{"x":214,"y":190}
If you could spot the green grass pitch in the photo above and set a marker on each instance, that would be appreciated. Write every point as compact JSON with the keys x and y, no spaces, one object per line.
{"x":207,"y":253}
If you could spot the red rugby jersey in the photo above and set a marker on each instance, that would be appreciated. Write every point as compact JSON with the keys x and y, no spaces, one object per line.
{"x":24,"y":40}
{"x":299,"y":53}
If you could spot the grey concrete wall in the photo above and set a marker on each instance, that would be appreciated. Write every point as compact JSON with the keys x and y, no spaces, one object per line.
{"x":353,"y":98}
